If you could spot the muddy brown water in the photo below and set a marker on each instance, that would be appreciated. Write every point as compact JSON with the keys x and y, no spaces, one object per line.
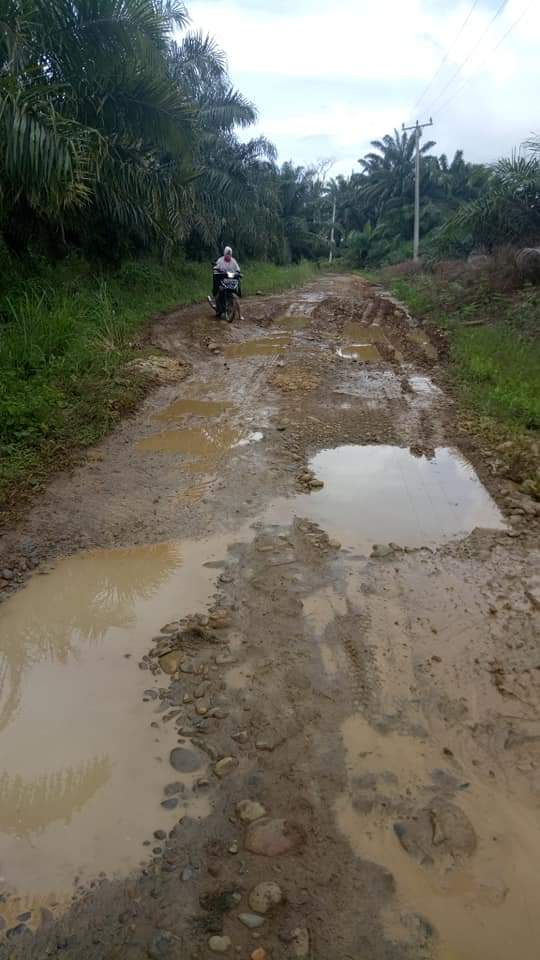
{"x":82,"y":770}
{"x":484,"y":905}
{"x":377,"y":494}
{"x":188,"y":406}
{"x":265,"y":347}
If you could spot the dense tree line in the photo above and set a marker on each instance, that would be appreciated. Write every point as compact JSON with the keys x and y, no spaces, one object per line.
{"x":120,"y":131}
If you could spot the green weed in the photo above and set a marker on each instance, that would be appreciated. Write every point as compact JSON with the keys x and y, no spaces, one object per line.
{"x":66,"y":335}
{"x":495,"y":364}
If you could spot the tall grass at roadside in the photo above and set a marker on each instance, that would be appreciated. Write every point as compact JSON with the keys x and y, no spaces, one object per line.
{"x":493,"y":338}
{"x":66,"y":335}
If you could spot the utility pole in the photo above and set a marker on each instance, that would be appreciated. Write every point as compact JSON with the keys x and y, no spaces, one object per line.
{"x":418,"y":127}
{"x":332,"y":233}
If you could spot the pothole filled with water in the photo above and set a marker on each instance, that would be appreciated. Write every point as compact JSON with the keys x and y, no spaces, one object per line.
{"x":266,"y":347}
{"x":380,"y":494}
{"x":360,"y":342}
{"x":468,"y":863}
{"x":203,"y":441}
{"x":82,"y":770}
{"x":188,"y":406}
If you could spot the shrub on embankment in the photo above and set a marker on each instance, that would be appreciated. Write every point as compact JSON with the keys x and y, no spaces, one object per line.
{"x":67,"y":334}
{"x":490,"y":321}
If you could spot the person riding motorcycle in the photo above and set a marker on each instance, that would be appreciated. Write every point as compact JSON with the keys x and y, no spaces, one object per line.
{"x":223,"y":265}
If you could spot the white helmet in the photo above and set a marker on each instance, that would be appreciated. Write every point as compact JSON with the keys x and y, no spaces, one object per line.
{"x":227,"y":252}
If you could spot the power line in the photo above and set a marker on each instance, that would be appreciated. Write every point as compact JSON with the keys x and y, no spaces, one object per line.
{"x":468,"y":80}
{"x":464,"y":62}
{"x":447,"y":54}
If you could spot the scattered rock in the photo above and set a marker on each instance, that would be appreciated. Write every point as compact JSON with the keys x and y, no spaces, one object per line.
{"x":381,"y":550}
{"x":170,"y":662}
{"x":185,"y":761}
{"x":265,"y":896}
{"x":171,"y":627}
{"x":233,"y":849}
{"x":441,"y":830}
{"x":251,"y":920}
{"x":315,"y":484}
{"x":160,"y":835}
{"x":300,"y":943}
{"x":187,"y":874}
{"x":225,"y":766}
{"x":162,"y":945}
{"x":170,"y":804}
{"x":172,"y":789}
{"x":219,"y":944}
{"x":250,"y":810}
{"x":271,"y":838}
{"x":259,"y":954}
{"x":241,"y":737}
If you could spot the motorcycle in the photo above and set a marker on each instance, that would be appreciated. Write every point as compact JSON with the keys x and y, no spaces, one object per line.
{"x":227,"y":304}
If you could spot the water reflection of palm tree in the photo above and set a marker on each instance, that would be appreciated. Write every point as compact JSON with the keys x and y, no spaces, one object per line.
{"x":82,"y":599}
{"x":27,"y":806}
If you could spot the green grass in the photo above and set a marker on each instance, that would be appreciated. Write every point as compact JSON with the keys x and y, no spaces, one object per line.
{"x":66,"y":336}
{"x":496,"y":364}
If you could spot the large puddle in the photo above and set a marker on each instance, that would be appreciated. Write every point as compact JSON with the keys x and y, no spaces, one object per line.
{"x":82,"y":770}
{"x":382,"y":494}
{"x":266,"y":347}
{"x":360,"y":342}
{"x":208,"y":442}
{"x":478,"y":885}
{"x":186,"y":407}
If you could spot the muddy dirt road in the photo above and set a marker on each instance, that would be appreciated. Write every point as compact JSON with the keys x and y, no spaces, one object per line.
{"x":269,"y":662}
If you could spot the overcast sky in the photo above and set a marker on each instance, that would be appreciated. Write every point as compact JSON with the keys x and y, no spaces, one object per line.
{"x":328,"y":77}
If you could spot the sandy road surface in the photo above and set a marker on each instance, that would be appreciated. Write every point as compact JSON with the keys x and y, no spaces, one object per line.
{"x":351,"y":644}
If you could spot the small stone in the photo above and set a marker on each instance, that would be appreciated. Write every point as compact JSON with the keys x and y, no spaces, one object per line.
{"x":172,"y":789}
{"x":203,"y":784}
{"x":259,"y":954}
{"x":224,"y":660}
{"x":315,"y":484}
{"x":201,"y":709}
{"x":170,"y":804}
{"x":271,"y":838}
{"x":185,"y":761}
{"x":233,"y":849}
{"x":7,"y":574}
{"x":334,"y":544}
{"x":265,"y":896}
{"x":250,"y":810}
{"x":381,"y":550}
{"x":241,"y":737}
{"x":300,"y":943}
{"x":160,"y":835}
{"x":225,"y":766}
{"x":171,"y":627}
{"x":251,"y":920}
{"x":187,"y":874}
{"x":264,"y":745}
{"x":170,"y":662}
{"x":219,"y":944}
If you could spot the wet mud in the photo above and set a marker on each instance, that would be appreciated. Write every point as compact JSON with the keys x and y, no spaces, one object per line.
{"x":269,"y":663}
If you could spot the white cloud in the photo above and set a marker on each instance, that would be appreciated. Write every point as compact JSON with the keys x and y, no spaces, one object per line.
{"x":365,"y":62}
